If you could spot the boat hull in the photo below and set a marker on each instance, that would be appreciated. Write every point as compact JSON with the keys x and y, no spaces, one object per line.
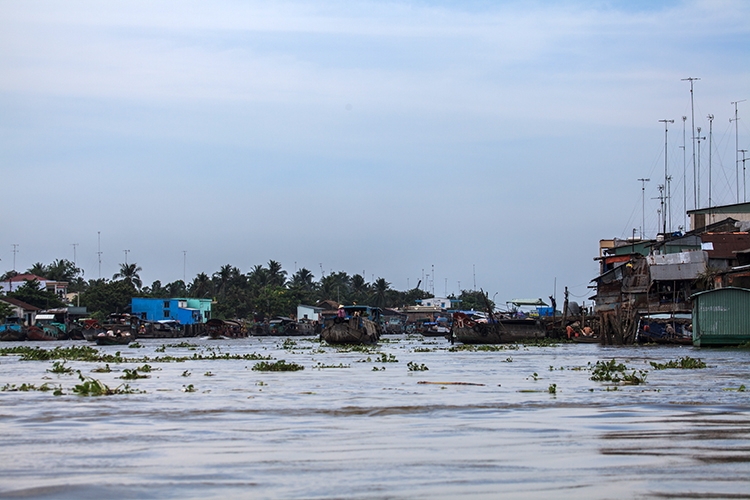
{"x":504,"y":331}
{"x":355,"y":330}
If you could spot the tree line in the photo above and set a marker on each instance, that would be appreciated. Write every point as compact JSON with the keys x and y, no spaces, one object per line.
{"x":264,"y":291}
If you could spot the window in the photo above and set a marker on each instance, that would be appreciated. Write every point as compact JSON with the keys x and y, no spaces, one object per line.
{"x":166,"y":313}
{"x":166,"y":304}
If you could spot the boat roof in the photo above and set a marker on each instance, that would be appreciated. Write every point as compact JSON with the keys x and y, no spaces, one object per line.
{"x":528,"y":302}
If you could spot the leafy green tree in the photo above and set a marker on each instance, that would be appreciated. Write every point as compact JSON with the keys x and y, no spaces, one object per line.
{"x":105,"y":297}
{"x":336,"y":286}
{"x":156,"y":290}
{"x":129,"y":274}
{"x":380,"y":296}
{"x":38,"y":269}
{"x":476,"y":300}
{"x":201,"y":287}
{"x":276,"y":275}
{"x":32,"y":293}
{"x":5,"y":310}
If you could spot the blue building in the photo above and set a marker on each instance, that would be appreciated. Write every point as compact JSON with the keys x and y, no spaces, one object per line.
{"x":185,"y":311}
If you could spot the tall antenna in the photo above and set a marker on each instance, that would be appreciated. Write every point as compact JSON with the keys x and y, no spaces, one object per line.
{"x":710,"y":147}
{"x":692,"y":124}
{"x":15,"y":251}
{"x":126,"y":256}
{"x":699,"y":139}
{"x":184,"y":266}
{"x":74,"y":245}
{"x":643,"y":204}
{"x":474,"y":268}
{"x":684,"y":178}
{"x":432,"y":283}
{"x":744,"y":180}
{"x":99,"y":251}
{"x":666,"y":175}
{"x":736,"y":146}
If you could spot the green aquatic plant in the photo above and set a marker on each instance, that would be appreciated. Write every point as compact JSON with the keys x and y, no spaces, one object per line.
{"x":60,"y":368}
{"x":321,"y":366}
{"x":209,"y":374}
{"x":104,"y":369}
{"x":92,"y":387}
{"x":27,"y":387}
{"x":186,"y":373}
{"x":552,"y":389}
{"x":422,"y":349}
{"x":188,"y":388}
{"x":611,"y":371}
{"x":686,"y":363}
{"x":278,"y":366}
{"x":415,"y":367}
{"x":135,"y":345}
{"x":132,"y":374}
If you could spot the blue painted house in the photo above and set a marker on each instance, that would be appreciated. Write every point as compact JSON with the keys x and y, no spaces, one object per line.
{"x":186,"y":311}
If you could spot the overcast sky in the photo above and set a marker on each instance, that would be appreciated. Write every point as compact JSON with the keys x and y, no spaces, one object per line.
{"x":496,"y":139}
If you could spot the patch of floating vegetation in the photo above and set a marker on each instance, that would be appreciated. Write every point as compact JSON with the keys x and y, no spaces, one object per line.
{"x":129,"y":374}
{"x":87,"y":353}
{"x":92,"y":387}
{"x":611,"y":371}
{"x":552,"y":389}
{"x":29,"y":387}
{"x":416,"y":367}
{"x":321,"y":366}
{"x":541,"y":342}
{"x":60,"y":368}
{"x":102,"y":369}
{"x":366,"y":349}
{"x":423,"y":349}
{"x":277,"y":366}
{"x":686,"y":363}
{"x":484,"y":347}
{"x":135,"y":345}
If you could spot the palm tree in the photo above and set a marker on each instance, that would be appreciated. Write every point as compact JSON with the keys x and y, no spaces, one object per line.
{"x":303,"y":279}
{"x":381,"y":288}
{"x":129,"y":273}
{"x":201,"y":287}
{"x":221,"y":278}
{"x":38,"y":269}
{"x":276,"y":275}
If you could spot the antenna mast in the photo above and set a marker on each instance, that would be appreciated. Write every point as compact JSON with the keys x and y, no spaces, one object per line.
{"x":15,"y":251}
{"x":99,"y":251}
{"x":699,"y":139}
{"x":692,"y":123}
{"x":737,"y":146}
{"x":710,"y":147}
{"x":666,"y":177}
{"x":643,"y":205}
{"x":684,"y":178}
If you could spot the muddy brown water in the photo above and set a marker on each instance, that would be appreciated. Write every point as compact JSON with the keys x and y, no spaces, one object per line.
{"x":342,"y":429}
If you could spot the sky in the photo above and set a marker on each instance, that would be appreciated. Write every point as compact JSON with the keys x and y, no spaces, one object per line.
{"x":470,"y":144}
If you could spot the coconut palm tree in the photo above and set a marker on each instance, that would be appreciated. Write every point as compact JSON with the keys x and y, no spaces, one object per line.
{"x":129,"y":274}
{"x":276,"y":275}
{"x":381,"y":288}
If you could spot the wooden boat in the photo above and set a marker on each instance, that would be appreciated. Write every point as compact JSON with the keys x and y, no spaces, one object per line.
{"x":110,"y":338}
{"x":12,"y":330}
{"x":35,"y":333}
{"x":494,"y":331}
{"x":359,"y":325}
{"x":665,"y":329}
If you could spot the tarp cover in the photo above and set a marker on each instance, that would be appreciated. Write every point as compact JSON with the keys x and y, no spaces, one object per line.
{"x":528,"y":302}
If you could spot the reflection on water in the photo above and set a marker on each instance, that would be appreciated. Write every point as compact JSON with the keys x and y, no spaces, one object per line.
{"x":346,"y":430}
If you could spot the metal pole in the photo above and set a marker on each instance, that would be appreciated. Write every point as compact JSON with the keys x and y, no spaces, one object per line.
{"x":710,"y":147}
{"x":699,"y":139}
{"x":666,"y":176}
{"x":643,"y":205}
{"x":744,"y":180}
{"x":736,"y":146}
{"x":684,"y":178}
{"x":692,"y":123}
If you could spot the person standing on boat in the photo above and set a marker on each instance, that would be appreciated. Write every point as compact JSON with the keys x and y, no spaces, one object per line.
{"x":341,"y":313}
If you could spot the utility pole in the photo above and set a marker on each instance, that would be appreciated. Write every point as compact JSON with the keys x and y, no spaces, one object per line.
{"x":736,"y":146}
{"x":662,"y":213}
{"x":643,"y":205}
{"x":474,"y":269}
{"x":666,"y":175}
{"x":126,"y":256}
{"x":74,"y":245}
{"x":710,"y":148}
{"x":184,"y":266}
{"x":692,"y":122}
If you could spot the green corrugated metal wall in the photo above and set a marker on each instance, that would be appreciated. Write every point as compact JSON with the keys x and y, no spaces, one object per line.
{"x":721,"y":317}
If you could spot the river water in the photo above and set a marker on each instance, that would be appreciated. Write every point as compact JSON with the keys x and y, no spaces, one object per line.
{"x":361,"y":424}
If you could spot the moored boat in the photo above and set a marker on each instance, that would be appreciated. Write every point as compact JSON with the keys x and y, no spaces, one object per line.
{"x":495,"y":331}
{"x":112,"y":338}
{"x":356,"y":325}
